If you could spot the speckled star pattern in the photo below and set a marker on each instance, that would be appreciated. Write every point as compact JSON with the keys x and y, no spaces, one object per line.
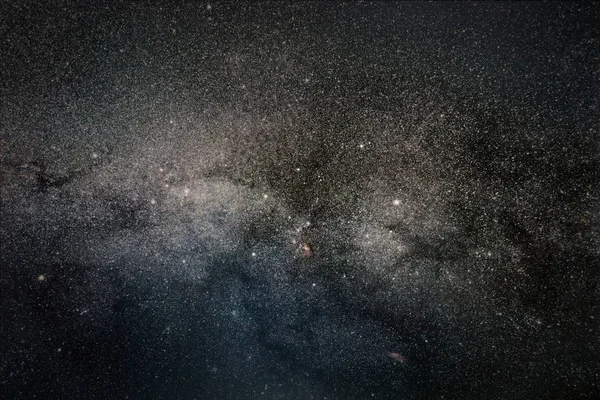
{"x":303,"y":200}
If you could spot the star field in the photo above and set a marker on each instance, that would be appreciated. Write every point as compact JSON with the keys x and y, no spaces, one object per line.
{"x":299,"y":201}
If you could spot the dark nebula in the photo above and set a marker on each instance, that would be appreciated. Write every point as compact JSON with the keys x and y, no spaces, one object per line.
{"x":312,"y":200}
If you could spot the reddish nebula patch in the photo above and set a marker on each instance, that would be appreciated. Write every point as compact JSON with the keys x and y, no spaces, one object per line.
{"x":306,"y":250}
{"x":396,"y":357}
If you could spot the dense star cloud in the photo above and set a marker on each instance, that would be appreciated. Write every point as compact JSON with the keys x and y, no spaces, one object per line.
{"x":303,"y":201}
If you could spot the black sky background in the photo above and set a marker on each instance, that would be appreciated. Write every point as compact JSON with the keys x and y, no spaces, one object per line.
{"x":162,"y":166}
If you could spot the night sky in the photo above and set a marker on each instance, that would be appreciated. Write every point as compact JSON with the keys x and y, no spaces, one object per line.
{"x":299,"y":200}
